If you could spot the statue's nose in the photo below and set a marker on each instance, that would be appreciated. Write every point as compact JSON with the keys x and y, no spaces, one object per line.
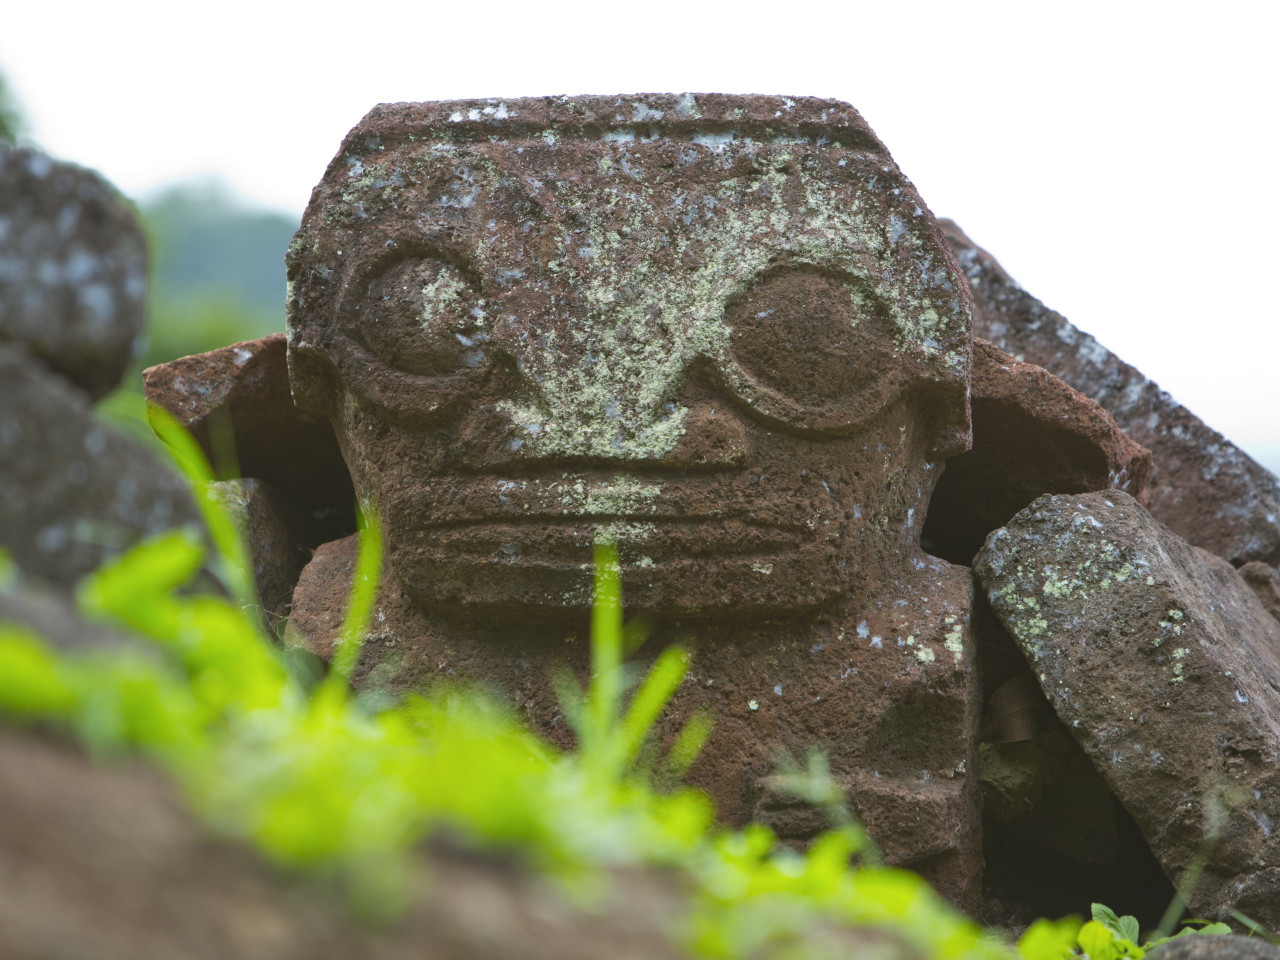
{"x":714,"y":435}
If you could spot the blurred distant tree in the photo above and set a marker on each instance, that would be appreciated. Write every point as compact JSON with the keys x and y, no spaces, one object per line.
{"x":11,"y":123}
{"x":217,"y":269}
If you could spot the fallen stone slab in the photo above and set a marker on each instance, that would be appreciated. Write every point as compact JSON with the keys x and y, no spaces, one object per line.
{"x":236,"y":403}
{"x":1202,"y":487}
{"x":73,"y":492}
{"x":1165,"y":667}
{"x":73,"y":269}
{"x":1032,"y":434}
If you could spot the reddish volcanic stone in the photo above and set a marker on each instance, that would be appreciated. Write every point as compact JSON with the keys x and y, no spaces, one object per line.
{"x":721,"y":332}
{"x":888,"y":697}
{"x":1032,"y":434}
{"x":1164,"y":667}
{"x":237,"y":405}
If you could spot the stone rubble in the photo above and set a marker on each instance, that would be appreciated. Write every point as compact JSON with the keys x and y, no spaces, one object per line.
{"x":1165,"y":668}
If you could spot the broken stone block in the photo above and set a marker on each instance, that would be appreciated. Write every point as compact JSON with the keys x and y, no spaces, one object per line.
{"x":1164,"y":666}
{"x":1032,"y":434}
{"x":73,"y":492}
{"x":73,"y":269}
{"x":1202,"y":487}
{"x":237,"y":405}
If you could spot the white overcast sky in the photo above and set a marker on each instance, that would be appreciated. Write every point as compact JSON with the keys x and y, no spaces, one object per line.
{"x":1118,"y":158}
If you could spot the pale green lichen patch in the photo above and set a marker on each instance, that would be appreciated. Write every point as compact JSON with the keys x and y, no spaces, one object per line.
{"x":954,"y":642}
{"x":622,"y":533}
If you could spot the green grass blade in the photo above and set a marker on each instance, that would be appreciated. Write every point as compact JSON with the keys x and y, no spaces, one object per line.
{"x":364,"y":594}
{"x":231,"y":559}
{"x":606,"y":649}
{"x":654,"y":694}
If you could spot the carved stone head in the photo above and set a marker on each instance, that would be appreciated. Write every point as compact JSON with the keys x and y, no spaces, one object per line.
{"x":721,"y":331}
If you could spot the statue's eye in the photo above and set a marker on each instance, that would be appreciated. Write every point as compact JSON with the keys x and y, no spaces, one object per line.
{"x":797,"y":332}
{"x":809,"y":349}
{"x":422,"y":316}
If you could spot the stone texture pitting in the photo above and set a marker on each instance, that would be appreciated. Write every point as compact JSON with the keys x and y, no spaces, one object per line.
{"x":1165,"y":667}
{"x":478,"y":304}
{"x":73,"y":269}
{"x":1202,"y":487}
{"x":865,"y":691}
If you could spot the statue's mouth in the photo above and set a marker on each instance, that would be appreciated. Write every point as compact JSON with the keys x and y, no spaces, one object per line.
{"x":558,"y":519}
{"x":641,"y":540}
{"x":688,"y":544}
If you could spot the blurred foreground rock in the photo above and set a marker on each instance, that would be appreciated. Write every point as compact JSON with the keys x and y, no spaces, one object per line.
{"x":73,"y":492}
{"x":73,"y":269}
{"x":104,"y":862}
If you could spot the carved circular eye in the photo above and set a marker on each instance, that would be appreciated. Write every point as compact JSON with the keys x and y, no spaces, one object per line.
{"x":804,"y":335}
{"x":422,"y":316}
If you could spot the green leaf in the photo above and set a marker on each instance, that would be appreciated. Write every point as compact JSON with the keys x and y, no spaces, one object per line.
{"x":364,"y":596}
{"x":1097,"y":941}
{"x":654,"y":694}
{"x":1050,"y":939}
{"x":1253,"y":925}
{"x":606,"y":647}
{"x":1122,"y":928}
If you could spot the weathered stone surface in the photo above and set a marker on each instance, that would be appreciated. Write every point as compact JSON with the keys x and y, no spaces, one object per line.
{"x":237,"y":405}
{"x":722,"y":332}
{"x":1032,"y":434}
{"x":73,"y":492}
{"x":605,"y":312}
{"x":73,"y":269}
{"x":1165,"y":667}
{"x":268,"y":523}
{"x":1209,"y":947}
{"x":1204,"y":488}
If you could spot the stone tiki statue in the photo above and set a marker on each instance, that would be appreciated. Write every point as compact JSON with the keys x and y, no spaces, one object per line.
{"x":722,"y":332}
